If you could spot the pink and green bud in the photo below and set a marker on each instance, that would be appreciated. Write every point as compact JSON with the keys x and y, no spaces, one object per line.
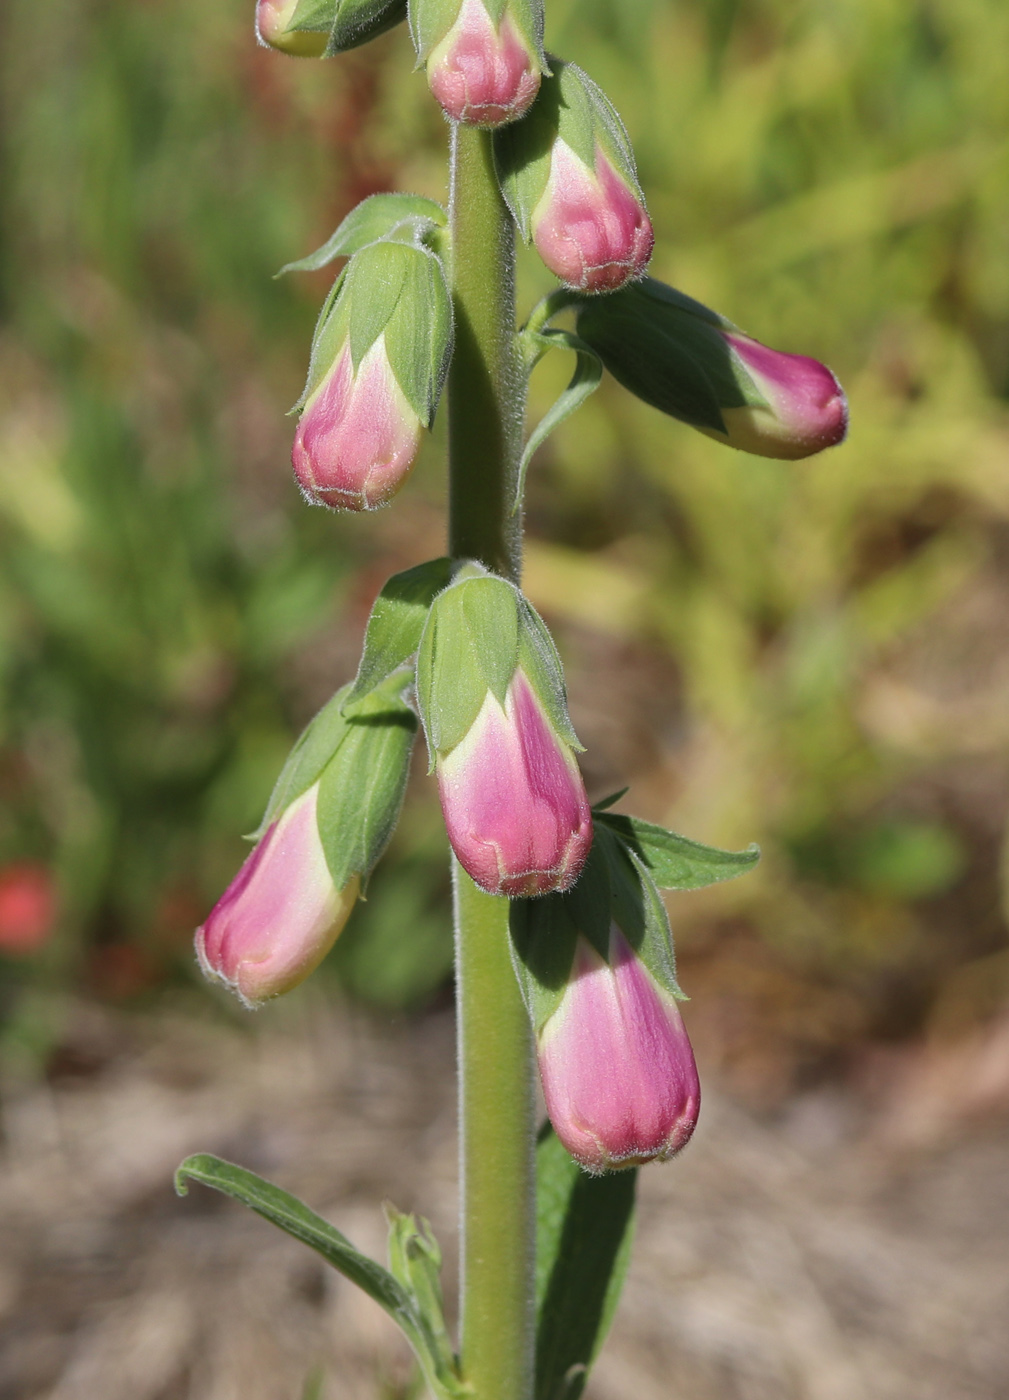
{"x":327,"y":823}
{"x":513,"y":798}
{"x":378,"y":362}
{"x":281,"y":914}
{"x":567,"y":173}
{"x":484,"y":74}
{"x":274,"y":19}
{"x":693,"y":364}
{"x":357,"y":437}
{"x":591,"y":227}
{"x":617,"y":1069}
{"x":491,"y":694}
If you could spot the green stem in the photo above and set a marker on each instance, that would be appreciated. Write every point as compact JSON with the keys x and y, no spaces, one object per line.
{"x":496,"y":1104}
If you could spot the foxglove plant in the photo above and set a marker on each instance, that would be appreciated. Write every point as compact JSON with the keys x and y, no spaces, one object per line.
{"x":564,"y":952}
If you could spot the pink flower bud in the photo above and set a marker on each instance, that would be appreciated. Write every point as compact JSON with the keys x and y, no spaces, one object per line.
{"x":590,"y":227}
{"x":358,"y":435}
{"x":481,"y":75}
{"x":618,"y":1072}
{"x":272,"y":20}
{"x":281,"y":913}
{"x":807,"y":410}
{"x":513,"y":799}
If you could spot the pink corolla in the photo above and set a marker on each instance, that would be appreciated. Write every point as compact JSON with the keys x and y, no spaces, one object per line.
{"x":618,"y":1072}
{"x":806,"y":406}
{"x":280,"y":915}
{"x":481,"y":74}
{"x":514,"y":800}
{"x":272,"y":20}
{"x":590,"y":227}
{"x":358,"y":436}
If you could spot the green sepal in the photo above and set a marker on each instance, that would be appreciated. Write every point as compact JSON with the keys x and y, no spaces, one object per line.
{"x":584,"y":381}
{"x":571,"y":107}
{"x":584,"y":1233}
{"x":298,"y":1220}
{"x":375,"y":217}
{"x":313,"y":749}
{"x":613,"y":888}
{"x":394,"y":286}
{"x":470,"y":644}
{"x":361,"y":788}
{"x":396,"y":622}
{"x":670,"y":351}
{"x":415,"y":1261}
{"x":542,"y":665}
{"x":347,"y":23}
{"x":675,"y":862}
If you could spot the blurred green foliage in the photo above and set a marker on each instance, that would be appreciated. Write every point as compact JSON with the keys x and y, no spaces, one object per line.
{"x":823,"y":638}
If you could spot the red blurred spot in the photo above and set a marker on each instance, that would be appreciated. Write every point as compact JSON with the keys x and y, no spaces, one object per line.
{"x":27,"y":907}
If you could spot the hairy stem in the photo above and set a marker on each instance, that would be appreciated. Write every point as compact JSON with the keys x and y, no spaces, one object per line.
{"x":496,"y":1105}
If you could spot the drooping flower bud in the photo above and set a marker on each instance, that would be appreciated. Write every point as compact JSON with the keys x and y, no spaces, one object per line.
{"x":378,"y":362}
{"x":486,"y":73}
{"x":318,"y":28}
{"x":596,"y":970}
{"x":492,"y":699}
{"x":618,"y":1073}
{"x":568,"y":175}
{"x":693,"y":364}
{"x":281,"y":914}
{"x":327,"y":823}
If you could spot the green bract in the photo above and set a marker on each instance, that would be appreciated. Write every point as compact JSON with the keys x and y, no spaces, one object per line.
{"x":574,"y":109}
{"x":349,"y":23}
{"x":478,"y":632}
{"x":394,"y":287}
{"x":670,"y":351}
{"x":360,"y":757}
{"x":379,"y":216}
{"x":397,"y":621}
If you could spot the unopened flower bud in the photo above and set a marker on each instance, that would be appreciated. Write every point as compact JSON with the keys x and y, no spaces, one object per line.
{"x":617,"y":1069}
{"x":567,"y":173}
{"x":693,"y":364}
{"x":484,"y":74}
{"x":273,"y":28}
{"x":491,"y":694}
{"x":378,"y":362}
{"x":357,"y":437}
{"x":327,"y":823}
{"x":281,"y":914}
{"x":513,"y":798}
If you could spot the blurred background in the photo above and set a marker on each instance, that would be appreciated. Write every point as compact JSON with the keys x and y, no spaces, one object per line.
{"x":814,"y":656}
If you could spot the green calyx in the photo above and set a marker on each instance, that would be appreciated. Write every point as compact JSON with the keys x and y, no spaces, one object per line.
{"x":569,"y":107}
{"x":670,"y":351}
{"x":360,"y":756}
{"x":347,"y":23}
{"x":479,"y":631}
{"x":393,"y":287}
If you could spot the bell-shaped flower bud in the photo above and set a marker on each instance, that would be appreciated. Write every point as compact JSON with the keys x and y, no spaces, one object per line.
{"x":486,"y":72}
{"x":568,"y":175}
{"x":618,"y":1073}
{"x":329,"y":820}
{"x":597,"y":974}
{"x":281,"y":914}
{"x":492,"y":698}
{"x":693,"y":364}
{"x":318,"y":28}
{"x":378,"y":363}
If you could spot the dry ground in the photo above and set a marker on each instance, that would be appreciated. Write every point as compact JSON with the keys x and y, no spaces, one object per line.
{"x":851,"y":1247}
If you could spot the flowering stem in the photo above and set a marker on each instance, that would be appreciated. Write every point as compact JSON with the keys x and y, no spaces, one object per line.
{"x":496,"y":1105}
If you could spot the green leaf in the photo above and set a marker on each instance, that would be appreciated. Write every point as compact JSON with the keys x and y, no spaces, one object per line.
{"x":298,"y":1220}
{"x":415,"y":1260}
{"x":397,"y":621}
{"x":584,"y":1230}
{"x":674,"y":862}
{"x":374,"y":218}
{"x":588,"y":373}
